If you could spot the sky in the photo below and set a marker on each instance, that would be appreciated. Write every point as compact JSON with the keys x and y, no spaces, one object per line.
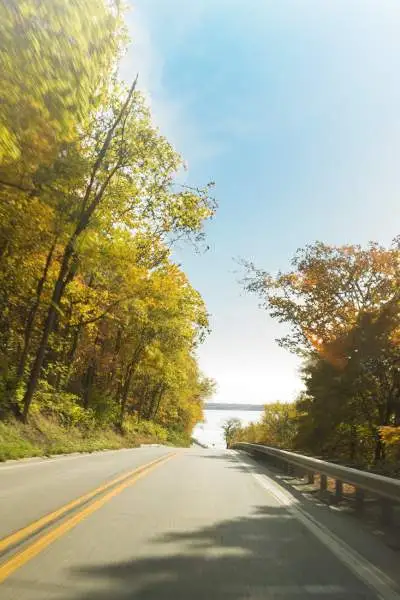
{"x":292,"y":108}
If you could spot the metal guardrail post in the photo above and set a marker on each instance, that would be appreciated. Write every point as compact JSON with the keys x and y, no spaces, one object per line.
{"x":338,"y":490}
{"x":323,"y":483}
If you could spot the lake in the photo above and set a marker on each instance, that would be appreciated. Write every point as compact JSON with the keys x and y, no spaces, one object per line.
{"x":210,"y":432}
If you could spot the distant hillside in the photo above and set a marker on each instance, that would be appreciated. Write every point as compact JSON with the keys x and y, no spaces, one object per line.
{"x":226,"y":406}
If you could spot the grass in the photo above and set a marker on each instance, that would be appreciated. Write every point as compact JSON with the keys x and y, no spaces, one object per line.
{"x":44,"y":437}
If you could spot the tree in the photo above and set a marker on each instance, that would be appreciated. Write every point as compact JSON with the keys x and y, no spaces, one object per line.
{"x":353,"y":389}
{"x":341,"y":305}
{"x":231,"y":428}
{"x":277,"y":427}
{"x":326,"y":290}
{"x":118,"y":187}
{"x":279,"y":424}
{"x":56,"y":61}
{"x":94,"y":314}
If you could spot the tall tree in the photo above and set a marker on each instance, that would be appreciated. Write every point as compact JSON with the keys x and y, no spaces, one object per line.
{"x":56,"y":59}
{"x":353,"y":388}
{"x":95,"y":318}
{"x":327,"y":288}
{"x":129,"y":178}
{"x":341,"y":306}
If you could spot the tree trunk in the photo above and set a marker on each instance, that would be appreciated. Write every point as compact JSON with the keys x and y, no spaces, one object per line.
{"x":90,"y":374}
{"x":125,"y":392}
{"x":379,"y":449}
{"x":130,"y":372}
{"x":160,"y":397}
{"x":32,"y":315}
{"x":70,"y":357}
{"x":47,"y":329}
{"x":89,"y":207}
{"x":75,"y":341}
{"x":143,"y":402}
{"x":89,"y":379}
{"x":128,"y":379}
{"x":53,"y":355}
{"x":152,"y":396}
{"x":117,"y":348}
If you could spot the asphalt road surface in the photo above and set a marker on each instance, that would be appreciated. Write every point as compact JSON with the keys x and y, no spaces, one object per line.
{"x":159,"y":523}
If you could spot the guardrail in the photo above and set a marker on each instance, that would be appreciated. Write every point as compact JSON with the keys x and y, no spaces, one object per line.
{"x":384,"y":488}
{"x":197,"y":443}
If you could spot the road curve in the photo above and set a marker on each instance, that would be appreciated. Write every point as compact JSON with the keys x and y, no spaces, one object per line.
{"x":185,"y":524}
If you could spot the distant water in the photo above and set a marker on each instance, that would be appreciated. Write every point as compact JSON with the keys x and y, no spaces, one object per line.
{"x":210,"y":432}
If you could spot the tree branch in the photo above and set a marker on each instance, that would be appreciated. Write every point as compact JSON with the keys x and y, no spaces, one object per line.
{"x":17,"y":187}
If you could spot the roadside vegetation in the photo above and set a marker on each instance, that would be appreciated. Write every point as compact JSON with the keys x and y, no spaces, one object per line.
{"x":98,"y":325}
{"x":44,"y":436}
{"x":341,"y":308}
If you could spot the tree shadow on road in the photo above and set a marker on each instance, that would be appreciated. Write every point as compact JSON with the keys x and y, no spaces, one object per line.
{"x":266,"y":555}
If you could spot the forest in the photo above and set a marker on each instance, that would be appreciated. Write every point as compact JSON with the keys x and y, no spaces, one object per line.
{"x":98,"y":324}
{"x":340,"y":307}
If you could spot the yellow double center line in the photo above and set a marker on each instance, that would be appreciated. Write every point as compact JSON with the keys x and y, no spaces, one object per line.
{"x":109,"y":490}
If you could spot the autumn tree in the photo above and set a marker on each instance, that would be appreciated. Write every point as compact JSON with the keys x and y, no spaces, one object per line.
{"x":231,"y":429}
{"x":56,"y":60}
{"x":341,"y":309}
{"x":93,"y":309}
{"x":277,"y":426}
{"x":327,"y":288}
{"x":118,"y":187}
{"x":353,"y":389}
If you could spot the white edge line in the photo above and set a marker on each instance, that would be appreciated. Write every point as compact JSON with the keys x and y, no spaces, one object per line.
{"x":360,"y":566}
{"x":40,"y":460}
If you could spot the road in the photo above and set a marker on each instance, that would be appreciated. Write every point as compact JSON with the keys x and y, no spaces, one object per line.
{"x":190,"y":524}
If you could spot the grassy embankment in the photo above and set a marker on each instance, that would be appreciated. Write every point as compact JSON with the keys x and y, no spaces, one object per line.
{"x":45,"y":436}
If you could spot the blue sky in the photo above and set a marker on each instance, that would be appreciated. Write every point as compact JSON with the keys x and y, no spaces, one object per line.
{"x":293,"y":108}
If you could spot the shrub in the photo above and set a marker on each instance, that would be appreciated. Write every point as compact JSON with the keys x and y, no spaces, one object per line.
{"x":146,"y":429}
{"x":65,"y":409}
